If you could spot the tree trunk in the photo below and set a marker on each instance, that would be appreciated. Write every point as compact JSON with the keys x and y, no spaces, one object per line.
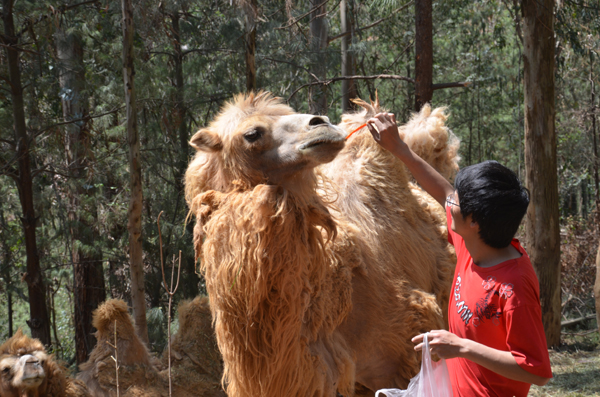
{"x":180,"y":111}
{"x":597,"y":287}
{"x":88,"y":275}
{"x":318,"y":45}
{"x":189,"y":285}
{"x":348,"y":86}
{"x":542,"y":222}
{"x":134,"y":224}
{"x":250,"y":40}
{"x":38,"y":309}
{"x":7,"y":278}
{"x":423,"y":53}
{"x":593,"y":127}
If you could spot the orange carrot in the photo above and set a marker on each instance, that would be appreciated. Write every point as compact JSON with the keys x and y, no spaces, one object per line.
{"x":362,"y":126}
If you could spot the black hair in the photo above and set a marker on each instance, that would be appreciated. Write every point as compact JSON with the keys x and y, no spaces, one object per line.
{"x":495,"y":198}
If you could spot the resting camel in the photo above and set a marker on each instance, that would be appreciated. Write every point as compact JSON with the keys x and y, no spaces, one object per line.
{"x":26,"y":370}
{"x":321,"y":257}
{"x":196,"y":364}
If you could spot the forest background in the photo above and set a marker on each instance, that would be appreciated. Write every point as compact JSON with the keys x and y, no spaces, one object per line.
{"x":190,"y":57}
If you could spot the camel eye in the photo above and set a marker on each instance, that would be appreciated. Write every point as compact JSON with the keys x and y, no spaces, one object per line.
{"x":254,"y":134}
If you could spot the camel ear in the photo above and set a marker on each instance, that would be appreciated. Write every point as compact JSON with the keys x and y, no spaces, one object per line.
{"x":206,"y":141}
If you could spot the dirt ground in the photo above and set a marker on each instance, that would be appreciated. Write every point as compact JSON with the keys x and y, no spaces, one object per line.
{"x":576,"y":368}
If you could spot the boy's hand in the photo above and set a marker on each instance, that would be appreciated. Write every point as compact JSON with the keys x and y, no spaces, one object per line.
{"x":385,"y":132}
{"x":442,"y":343}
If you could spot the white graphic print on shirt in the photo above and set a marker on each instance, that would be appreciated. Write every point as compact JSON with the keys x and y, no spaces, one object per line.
{"x":461,"y":307}
{"x":484,"y":308}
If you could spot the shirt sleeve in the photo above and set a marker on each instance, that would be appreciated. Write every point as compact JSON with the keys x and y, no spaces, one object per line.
{"x":526,"y":339}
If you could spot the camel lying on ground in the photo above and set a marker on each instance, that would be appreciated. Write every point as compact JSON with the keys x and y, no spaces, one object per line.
{"x":26,"y":370}
{"x":196,"y":363}
{"x":321,"y":257}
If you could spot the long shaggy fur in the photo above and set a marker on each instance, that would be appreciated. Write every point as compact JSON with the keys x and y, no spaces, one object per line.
{"x":320,"y":286}
{"x":279,"y":286}
{"x":56,"y":382}
{"x":407,"y":226}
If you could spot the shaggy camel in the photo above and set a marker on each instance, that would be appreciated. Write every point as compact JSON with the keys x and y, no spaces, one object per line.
{"x":318,"y":274}
{"x":26,"y":370}
{"x":196,"y":364}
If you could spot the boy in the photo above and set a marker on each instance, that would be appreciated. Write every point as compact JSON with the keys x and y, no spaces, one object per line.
{"x":496,"y":344}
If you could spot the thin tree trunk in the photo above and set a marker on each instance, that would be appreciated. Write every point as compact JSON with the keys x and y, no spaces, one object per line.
{"x":597,"y":285}
{"x":470,"y":149}
{"x":180,"y":111}
{"x":7,"y":279}
{"x":410,"y":90}
{"x":38,"y":309}
{"x":134,"y":224}
{"x":318,"y":46}
{"x":10,"y":312}
{"x":348,"y":86}
{"x":593,"y":125}
{"x":542,"y":223}
{"x":423,"y":53}
{"x":190,"y":279}
{"x":250,"y":41}
{"x":88,"y":275}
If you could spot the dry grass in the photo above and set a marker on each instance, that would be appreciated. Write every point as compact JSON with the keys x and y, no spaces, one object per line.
{"x":576,"y":368}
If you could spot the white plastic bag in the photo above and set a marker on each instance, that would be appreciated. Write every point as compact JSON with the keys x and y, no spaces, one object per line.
{"x":432,"y":381}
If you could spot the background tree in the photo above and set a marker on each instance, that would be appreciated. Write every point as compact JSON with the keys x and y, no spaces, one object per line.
{"x":38,"y":322}
{"x":423,"y":53}
{"x":542,"y":223}
{"x":346,"y":27}
{"x":318,"y":44}
{"x":134,"y":225}
{"x":86,"y":253}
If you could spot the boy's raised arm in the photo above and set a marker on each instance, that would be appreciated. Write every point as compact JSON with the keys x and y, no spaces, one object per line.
{"x":385,"y":132}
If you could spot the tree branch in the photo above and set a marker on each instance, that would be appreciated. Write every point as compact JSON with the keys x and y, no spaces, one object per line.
{"x":295,"y":21}
{"x":19,"y":49}
{"x":577,"y":320}
{"x":451,"y":85}
{"x":333,"y":80}
{"x":86,"y":118}
{"x":293,"y":64}
{"x":339,"y":36}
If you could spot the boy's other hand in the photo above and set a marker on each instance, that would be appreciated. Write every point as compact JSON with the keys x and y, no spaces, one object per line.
{"x":442,"y":343}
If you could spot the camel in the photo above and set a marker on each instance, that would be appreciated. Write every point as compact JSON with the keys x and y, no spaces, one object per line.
{"x":26,"y":370}
{"x":196,"y":363}
{"x":321,"y":257}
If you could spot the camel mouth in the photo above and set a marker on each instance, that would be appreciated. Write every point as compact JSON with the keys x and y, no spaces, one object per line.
{"x":33,"y":381}
{"x":322,"y":140}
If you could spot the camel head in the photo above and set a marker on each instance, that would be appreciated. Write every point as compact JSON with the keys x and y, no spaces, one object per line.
{"x":22,"y":367}
{"x":256,"y":139}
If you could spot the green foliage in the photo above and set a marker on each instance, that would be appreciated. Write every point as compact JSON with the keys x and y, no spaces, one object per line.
{"x":474,"y":41}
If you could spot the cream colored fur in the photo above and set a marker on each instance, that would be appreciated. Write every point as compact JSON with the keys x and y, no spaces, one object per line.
{"x":318,"y":284}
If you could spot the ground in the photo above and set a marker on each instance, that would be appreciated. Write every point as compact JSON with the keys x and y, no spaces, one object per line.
{"x":576,"y":368}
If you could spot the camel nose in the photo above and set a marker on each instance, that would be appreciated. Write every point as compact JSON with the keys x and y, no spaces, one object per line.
{"x":318,"y":120}
{"x":32,"y":360}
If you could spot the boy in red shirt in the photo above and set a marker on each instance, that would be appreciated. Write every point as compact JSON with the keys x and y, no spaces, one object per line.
{"x":496,"y":344}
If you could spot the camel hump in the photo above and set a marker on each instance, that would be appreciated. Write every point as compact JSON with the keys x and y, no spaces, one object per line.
{"x":110,"y":311}
{"x":427,"y":134}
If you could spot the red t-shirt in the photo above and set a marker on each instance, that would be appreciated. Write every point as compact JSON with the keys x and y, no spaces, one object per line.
{"x":499,"y":307}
